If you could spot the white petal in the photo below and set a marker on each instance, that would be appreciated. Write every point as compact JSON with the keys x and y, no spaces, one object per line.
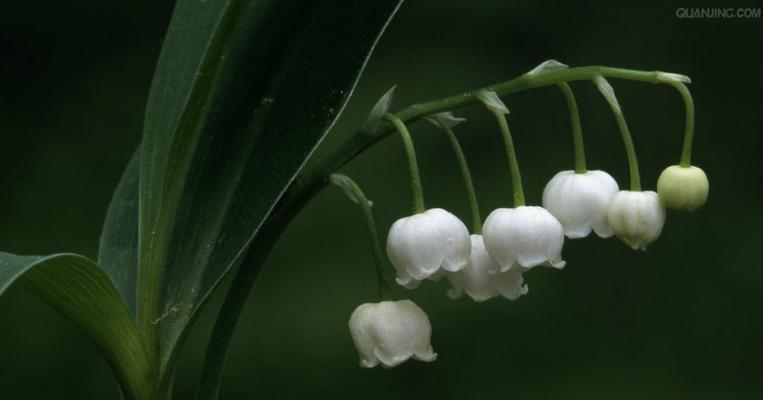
{"x":580,"y":201}
{"x":413,"y":246}
{"x":474,"y":279}
{"x":391,"y":332}
{"x":479,"y":284}
{"x":554,"y":254}
{"x":636,"y":217}
{"x":526,"y":235}
{"x":498,"y":232}
{"x":456,"y":241}
{"x":457,"y":282}
{"x":406,"y":281}
{"x":510,"y":284}
{"x":361,"y":337}
{"x":608,"y":187}
{"x":419,"y":245}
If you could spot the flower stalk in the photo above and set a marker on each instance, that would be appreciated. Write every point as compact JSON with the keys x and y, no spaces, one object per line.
{"x":354,"y":193}
{"x":609,"y":94}
{"x":496,"y":106}
{"x":689,"y":126}
{"x":630,"y":150}
{"x":516,"y":176}
{"x":577,"y":130}
{"x":465,"y":173}
{"x":413,"y":166}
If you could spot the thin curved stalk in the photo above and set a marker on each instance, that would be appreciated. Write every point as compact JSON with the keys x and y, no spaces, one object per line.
{"x":609,"y":94}
{"x":511,"y":156}
{"x":577,"y":130}
{"x":417,"y":193}
{"x":689,"y":125}
{"x":630,"y":151}
{"x":355,"y":194}
{"x":466,"y":176}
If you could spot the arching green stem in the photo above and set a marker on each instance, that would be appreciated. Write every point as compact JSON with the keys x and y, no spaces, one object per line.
{"x":314,"y":178}
{"x":577,"y":130}
{"x":465,"y":175}
{"x":689,"y":127}
{"x":361,"y":141}
{"x":516,"y":176}
{"x":413,"y":165}
{"x":356,"y":195}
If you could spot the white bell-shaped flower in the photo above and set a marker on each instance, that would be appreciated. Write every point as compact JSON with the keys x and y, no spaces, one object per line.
{"x":636,"y":217}
{"x":478,"y":283}
{"x":419,"y":245}
{"x":391,"y":332}
{"x":579,"y":202}
{"x":526,"y":235}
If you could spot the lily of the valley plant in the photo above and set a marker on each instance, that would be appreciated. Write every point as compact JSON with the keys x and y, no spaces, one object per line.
{"x":491,"y":260}
{"x":225,"y":163}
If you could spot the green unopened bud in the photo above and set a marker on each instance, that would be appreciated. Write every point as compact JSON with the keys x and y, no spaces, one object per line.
{"x":683,"y":188}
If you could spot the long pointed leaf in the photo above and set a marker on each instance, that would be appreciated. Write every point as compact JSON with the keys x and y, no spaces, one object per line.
{"x":244,"y":92}
{"x":77,"y":288}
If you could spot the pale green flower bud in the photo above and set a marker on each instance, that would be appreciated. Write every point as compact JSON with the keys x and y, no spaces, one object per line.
{"x":683,"y":188}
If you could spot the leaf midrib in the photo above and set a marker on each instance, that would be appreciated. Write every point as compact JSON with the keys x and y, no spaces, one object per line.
{"x":192,"y":120}
{"x":256,"y":123}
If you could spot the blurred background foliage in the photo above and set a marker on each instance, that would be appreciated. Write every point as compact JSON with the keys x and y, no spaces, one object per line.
{"x":682,"y":320}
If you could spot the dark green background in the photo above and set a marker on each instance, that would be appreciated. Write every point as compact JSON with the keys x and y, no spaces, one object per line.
{"x":682,"y":320}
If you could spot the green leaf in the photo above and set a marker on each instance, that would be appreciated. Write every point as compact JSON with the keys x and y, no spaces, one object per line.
{"x":118,"y":250}
{"x":78,"y":289}
{"x":243,"y":93}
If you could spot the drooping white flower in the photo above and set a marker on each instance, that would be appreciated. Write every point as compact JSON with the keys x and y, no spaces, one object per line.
{"x":391,"y":332}
{"x":526,"y":235}
{"x":683,"y":188}
{"x":478,"y":283}
{"x":579,"y":202}
{"x":419,"y":245}
{"x":636,"y":217}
